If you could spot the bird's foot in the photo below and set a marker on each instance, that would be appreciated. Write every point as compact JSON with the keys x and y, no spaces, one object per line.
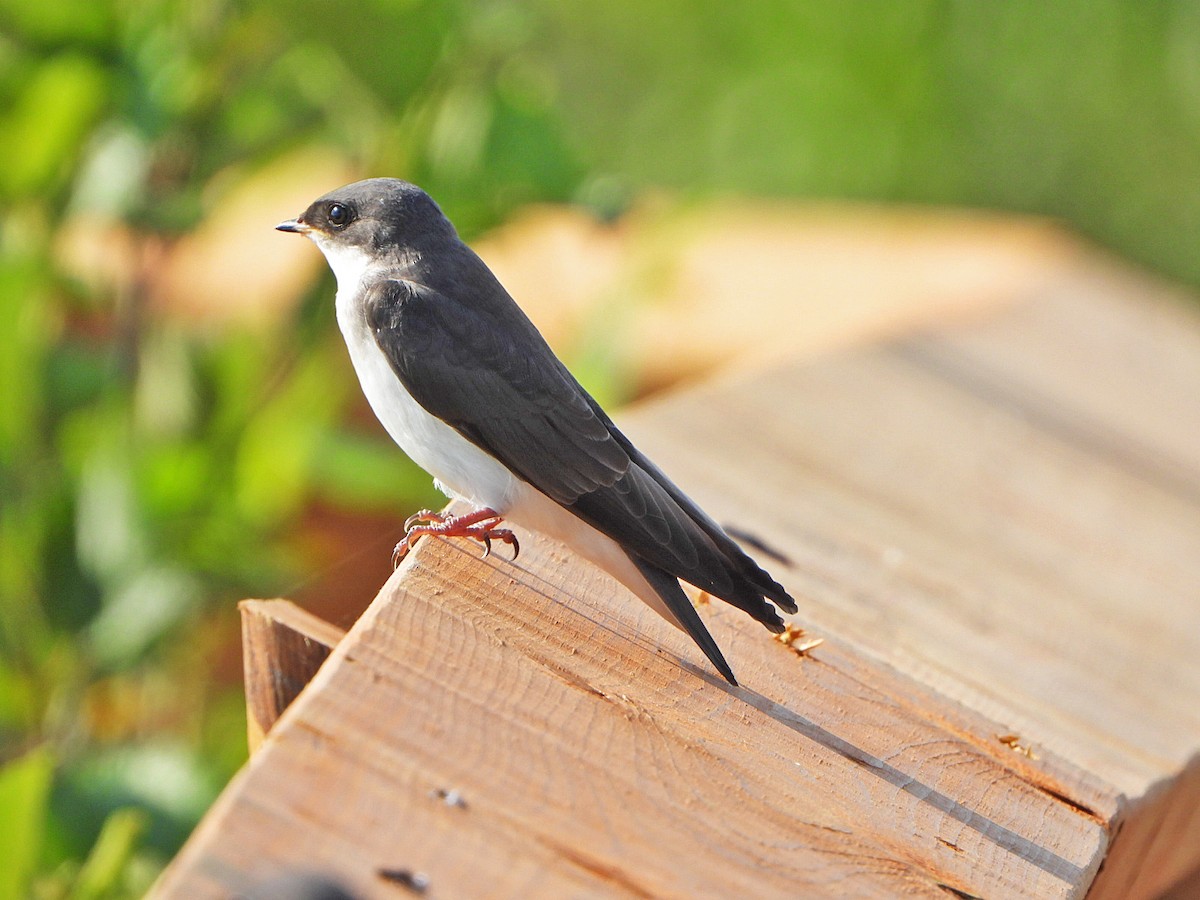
{"x":481,"y":525}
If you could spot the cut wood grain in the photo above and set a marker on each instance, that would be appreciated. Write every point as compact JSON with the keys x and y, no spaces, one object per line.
{"x":1002,"y":562}
{"x":595,"y":751}
{"x":283,"y":646}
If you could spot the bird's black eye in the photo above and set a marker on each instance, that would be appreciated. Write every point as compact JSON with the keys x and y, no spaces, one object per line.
{"x":339,"y":216}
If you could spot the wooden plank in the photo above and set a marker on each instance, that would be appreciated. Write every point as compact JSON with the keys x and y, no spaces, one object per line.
{"x":978,"y":508}
{"x":1120,"y":375}
{"x":1002,"y":563}
{"x":1156,"y":849}
{"x":283,"y":646}
{"x":1025,"y":575}
{"x":597,"y":753}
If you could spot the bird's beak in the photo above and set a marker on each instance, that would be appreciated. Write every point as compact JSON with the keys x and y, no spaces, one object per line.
{"x":293,"y":225}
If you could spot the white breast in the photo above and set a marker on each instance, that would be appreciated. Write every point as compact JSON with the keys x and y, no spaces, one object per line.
{"x":460,"y":469}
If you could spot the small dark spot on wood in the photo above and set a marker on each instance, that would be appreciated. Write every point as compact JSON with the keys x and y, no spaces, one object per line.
{"x":957,"y":892}
{"x":451,"y":797}
{"x":1069,"y":801}
{"x":417,"y":882}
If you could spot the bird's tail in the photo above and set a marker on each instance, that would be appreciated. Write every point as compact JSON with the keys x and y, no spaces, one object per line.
{"x":667,"y":587}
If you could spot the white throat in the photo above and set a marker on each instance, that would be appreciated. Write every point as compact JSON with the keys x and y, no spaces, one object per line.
{"x":349,"y":264}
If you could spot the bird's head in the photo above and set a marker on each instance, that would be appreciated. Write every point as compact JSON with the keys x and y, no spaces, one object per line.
{"x":379,"y":219}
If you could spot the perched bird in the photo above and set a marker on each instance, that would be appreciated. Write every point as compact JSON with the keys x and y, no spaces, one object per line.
{"x":469,"y":389}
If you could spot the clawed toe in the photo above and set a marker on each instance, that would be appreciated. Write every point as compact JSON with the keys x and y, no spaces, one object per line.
{"x":507,"y":537}
{"x":481,"y":525}
{"x":490,"y":533}
{"x":423,"y":515}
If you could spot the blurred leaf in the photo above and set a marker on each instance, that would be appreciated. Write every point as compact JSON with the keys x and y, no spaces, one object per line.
{"x":165,"y":398}
{"x":165,"y":780}
{"x":598,"y":363}
{"x":281,"y":441}
{"x":457,"y":142}
{"x":42,"y":133}
{"x":24,"y":791}
{"x":75,"y":376}
{"x":177,"y":481}
{"x":103,"y":872}
{"x":368,"y":474}
{"x":366,"y":39}
{"x":19,"y":705}
{"x":222,"y":742}
{"x":140,"y":611}
{"x":109,"y":538}
{"x":56,"y":21}
{"x":27,"y":487}
{"x":26,"y":330}
{"x":112,"y":172}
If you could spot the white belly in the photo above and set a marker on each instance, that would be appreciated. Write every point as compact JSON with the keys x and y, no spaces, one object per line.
{"x":459,"y":468}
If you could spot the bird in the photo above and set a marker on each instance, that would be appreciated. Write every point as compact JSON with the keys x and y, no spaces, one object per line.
{"x":466,"y":385}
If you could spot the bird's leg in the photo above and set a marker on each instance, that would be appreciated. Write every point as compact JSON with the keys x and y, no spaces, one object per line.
{"x":481,"y":525}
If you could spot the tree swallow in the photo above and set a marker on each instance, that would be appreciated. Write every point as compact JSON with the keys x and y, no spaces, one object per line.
{"x":469,"y":389}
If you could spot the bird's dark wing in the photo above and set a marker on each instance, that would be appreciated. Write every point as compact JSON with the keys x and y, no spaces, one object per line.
{"x":498,"y":385}
{"x":486,"y":371}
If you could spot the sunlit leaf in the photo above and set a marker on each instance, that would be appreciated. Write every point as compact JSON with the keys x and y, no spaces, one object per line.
{"x":24,"y":792}
{"x":369,"y":474}
{"x":164,"y":779}
{"x":103,"y":872}
{"x":59,"y":20}
{"x":26,"y":332}
{"x":108,"y":533}
{"x":276,"y":455}
{"x":49,"y":122}
{"x":140,"y":611}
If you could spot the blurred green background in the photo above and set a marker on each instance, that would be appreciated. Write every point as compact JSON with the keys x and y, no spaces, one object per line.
{"x":159,"y":462}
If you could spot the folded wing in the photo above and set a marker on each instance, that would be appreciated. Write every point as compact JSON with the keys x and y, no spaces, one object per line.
{"x":486,"y":371}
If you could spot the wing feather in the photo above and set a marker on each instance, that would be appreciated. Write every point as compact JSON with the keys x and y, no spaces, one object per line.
{"x":487,"y":372}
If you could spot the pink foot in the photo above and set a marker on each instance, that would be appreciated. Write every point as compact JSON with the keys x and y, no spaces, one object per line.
{"x":481,"y":525}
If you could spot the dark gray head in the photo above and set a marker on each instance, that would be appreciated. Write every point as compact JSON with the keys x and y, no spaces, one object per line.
{"x":379,"y":216}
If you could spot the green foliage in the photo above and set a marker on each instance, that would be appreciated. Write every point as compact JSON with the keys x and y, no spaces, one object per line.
{"x":107,"y":871}
{"x":1081,"y":109}
{"x":24,"y":791}
{"x":155,"y":465}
